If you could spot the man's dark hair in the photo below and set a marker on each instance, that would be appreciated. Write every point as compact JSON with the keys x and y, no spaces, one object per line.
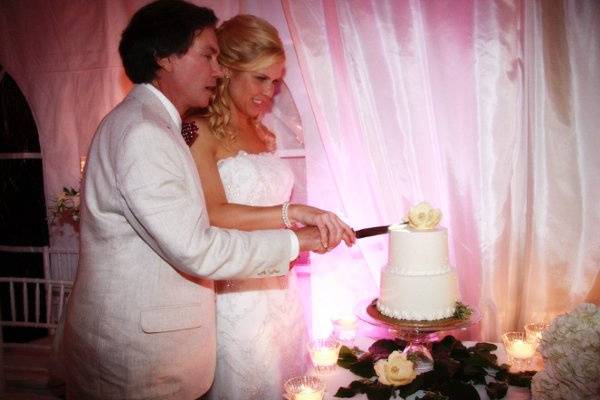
{"x":158,"y":30}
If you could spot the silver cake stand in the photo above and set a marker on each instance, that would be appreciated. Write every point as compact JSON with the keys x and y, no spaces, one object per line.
{"x":418,"y":334}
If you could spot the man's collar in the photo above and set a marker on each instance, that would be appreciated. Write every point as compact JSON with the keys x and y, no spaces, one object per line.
{"x":165,"y":102}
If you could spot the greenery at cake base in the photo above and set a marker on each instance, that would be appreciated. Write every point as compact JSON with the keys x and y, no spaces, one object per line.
{"x":462,"y":311}
{"x":455,"y":371}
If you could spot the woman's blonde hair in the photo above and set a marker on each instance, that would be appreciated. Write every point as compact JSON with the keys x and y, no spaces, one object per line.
{"x":246,"y":43}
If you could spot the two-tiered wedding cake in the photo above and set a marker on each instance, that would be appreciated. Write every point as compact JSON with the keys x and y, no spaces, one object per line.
{"x":418,"y":283}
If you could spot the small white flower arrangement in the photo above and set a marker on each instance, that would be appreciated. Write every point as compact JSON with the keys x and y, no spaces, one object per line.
{"x":66,"y":206}
{"x":424,"y":217}
{"x":570,"y":348}
{"x":396,"y":370}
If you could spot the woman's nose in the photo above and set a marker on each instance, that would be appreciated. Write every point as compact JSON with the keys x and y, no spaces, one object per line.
{"x":269,"y":89}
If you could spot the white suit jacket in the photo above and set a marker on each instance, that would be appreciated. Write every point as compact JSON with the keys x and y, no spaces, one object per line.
{"x":140,"y":321}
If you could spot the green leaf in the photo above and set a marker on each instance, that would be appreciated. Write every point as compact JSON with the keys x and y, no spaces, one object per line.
{"x":363,"y":367}
{"x":361,"y":385}
{"x":379,"y":392}
{"x":483,"y":359}
{"x":496,"y":390}
{"x":433,"y":396}
{"x":384,"y":347}
{"x":345,"y":393}
{"x":473,"y":373}
{"x":446,"y":367}
{"x":462,"y":311}
{"x":521,"y":379}
{"x":346,"y":358}
{"x":417,"y":384}
{"x":484,"y":347}
{"x":456,"y":390}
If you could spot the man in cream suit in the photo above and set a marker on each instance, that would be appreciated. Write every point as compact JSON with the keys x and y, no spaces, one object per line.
{"x":140,"y":323}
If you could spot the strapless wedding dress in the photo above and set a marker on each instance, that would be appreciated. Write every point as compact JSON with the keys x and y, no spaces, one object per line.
{"x":261,"y":334}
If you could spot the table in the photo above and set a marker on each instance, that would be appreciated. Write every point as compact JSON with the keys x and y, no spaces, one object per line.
{"x":342,"y":377}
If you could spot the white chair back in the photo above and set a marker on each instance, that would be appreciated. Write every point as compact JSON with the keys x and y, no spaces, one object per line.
{"x":35,"y":303}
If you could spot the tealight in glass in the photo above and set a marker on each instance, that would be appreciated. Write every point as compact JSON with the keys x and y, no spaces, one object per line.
{"x":344,"y":327}
{"x":304,"y":388}
{"x":324,"y":353}
{"x":534,"y":332}
{"x":519,"y":350}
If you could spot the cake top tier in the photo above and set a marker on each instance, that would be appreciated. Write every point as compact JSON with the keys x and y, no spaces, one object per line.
{"x":418,"y":251}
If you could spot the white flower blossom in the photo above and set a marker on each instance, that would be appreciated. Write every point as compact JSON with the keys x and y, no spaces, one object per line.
{"x":66,"y":205}
{"x":423,"y":216}
{"x":396,"y":370}
{"x":570,"y":348}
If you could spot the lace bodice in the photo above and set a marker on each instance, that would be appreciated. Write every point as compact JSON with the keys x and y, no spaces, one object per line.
{"x":256,"y":179}
{"x":253,"y":313}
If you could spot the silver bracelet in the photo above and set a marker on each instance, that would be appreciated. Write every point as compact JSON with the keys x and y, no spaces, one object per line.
{"x":284,"y":215}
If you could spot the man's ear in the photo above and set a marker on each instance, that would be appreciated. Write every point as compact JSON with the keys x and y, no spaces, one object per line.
{"x":165,"y":63}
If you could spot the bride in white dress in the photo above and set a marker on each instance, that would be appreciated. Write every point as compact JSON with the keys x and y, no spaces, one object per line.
{"x":261,"y":335}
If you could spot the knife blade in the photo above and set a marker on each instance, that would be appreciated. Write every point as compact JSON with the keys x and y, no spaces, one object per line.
{"x":372,"y":231}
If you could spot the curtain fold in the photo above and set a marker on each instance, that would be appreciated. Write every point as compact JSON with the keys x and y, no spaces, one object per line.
{"x":480,"y":108}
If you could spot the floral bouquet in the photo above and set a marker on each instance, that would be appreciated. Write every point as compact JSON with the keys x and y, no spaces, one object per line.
{"x":570,"y":348}
{"x":66,"y":205}
{"x":387,"y":373}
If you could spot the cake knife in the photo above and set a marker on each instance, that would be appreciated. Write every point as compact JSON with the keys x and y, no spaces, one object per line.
{"x":374,"y":230}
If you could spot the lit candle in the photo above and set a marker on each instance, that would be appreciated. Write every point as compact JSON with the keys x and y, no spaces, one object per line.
{"x":345,"y":327}
{"x":534,"y":331}
{"x":304,"y":388}
{"x":346,"y":322}
{"x":324,"y":356}
{"x":308,"y":393}
{"x":324,"y":353}
{"x":521,"y":349}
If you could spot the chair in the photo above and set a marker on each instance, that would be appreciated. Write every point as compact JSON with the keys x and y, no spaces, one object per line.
{"x":33,"y":303}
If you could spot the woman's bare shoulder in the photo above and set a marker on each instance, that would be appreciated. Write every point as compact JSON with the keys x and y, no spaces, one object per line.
{"x":205,"y":141}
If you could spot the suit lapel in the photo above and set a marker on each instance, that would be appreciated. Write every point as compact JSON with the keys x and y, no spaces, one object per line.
{"x":155,"y":111}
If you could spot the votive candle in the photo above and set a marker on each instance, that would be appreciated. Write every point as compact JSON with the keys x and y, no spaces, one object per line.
{"x":308,"y":393}
{"x":534,"y":331}
{"x":324,"y":353}
{"x":344,"y":327}
{"x":304,"y":388}
{"x":521,"y":349}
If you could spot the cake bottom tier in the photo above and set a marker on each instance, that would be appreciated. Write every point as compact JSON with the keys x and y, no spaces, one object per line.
{"x":418,"y":297}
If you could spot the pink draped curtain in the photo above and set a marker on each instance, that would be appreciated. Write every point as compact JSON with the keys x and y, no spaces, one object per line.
{"x":482,"y":108}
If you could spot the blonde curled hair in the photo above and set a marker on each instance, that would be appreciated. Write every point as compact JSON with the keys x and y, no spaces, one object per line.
{"x":247,"y":43}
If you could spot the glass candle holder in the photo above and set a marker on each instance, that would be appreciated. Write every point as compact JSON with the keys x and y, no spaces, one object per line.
{"x":519,"y":350}
{"x":304,"y":388}
{"x":344,"y":327}
{"x":534,"y":331}
{"x":324,"y":354}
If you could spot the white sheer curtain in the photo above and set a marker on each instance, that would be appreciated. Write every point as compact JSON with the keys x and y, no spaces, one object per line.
{"x":486,"y":109}
{"x":483,"y":108}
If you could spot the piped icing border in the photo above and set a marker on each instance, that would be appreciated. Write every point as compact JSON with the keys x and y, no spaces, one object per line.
{"x":415,"y":316}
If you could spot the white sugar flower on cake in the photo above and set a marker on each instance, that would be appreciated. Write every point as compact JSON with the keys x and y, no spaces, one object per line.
{"x":424,"y":217}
